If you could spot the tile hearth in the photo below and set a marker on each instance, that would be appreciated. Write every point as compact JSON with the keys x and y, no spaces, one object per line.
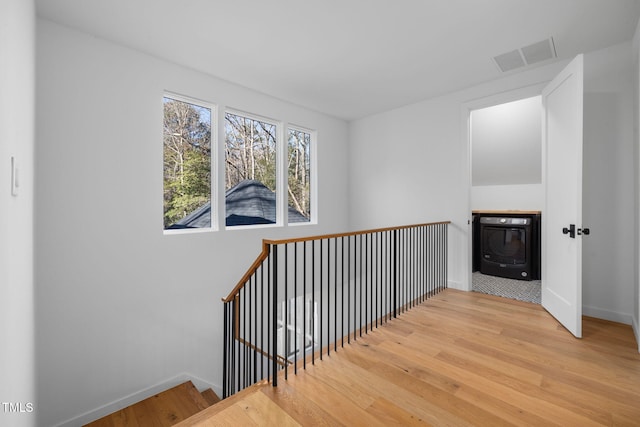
{"x":522,"y":290}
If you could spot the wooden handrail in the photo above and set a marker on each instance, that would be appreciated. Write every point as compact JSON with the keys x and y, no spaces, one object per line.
{"x":257,"y":263}
{"x":352,"y":233}
{"x":279,"y":359}
{"x":267,"y":242}
{"x":236,"y":322}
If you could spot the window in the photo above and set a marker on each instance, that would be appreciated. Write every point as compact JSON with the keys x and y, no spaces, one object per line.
{"x":250,"y":170}
{"x":299,"y":176}
{"x":301,"y":328}
{"x":187,"y":163}
{"x":266,"y":178}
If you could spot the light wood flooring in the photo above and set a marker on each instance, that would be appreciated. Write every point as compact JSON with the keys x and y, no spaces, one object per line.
{"x":161,"y":410}
{"x":459,"y":359}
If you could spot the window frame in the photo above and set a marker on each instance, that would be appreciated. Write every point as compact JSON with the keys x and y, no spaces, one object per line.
{"x":280,"y":211}
{"x":213,"y":163}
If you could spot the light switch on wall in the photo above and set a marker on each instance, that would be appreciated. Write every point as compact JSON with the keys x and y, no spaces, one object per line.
{"x":15,"y":182}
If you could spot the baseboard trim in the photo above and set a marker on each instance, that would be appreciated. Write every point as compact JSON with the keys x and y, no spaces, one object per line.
{"x":202,"y":385}
{"x":458,"y":285}
{"x":132,"y":398}
{"x":612,"y":316}
{"x":636,"y":331}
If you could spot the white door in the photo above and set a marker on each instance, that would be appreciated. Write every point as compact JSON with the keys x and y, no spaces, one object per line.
{"x":562,"y":229}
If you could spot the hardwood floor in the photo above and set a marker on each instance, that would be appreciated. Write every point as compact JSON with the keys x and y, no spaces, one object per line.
{"x":459,"y":359}
{"x":163,"y":409}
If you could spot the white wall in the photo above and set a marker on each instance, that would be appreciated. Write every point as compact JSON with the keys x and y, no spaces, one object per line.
{"x":636,"y":180}
{"x":506,"y":143}
{"x":523,"y":197}
{"x":506,"y":156}
{"x":608,"y":184}
{"x":412,"y":167}
{"x":17,"y":114}
{"x":122,"y":307}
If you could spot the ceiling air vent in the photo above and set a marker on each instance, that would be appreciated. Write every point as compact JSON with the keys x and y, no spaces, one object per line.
{"x":509,"y":61}
{"x":536,"y":52}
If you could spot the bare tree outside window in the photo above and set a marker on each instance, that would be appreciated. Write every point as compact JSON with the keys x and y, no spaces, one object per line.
{"x":250,"y":147}
{"x":299,"y":172}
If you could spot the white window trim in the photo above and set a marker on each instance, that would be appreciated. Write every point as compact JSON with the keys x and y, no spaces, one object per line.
{"x":213,"y":163}
{"x":280,"y":211}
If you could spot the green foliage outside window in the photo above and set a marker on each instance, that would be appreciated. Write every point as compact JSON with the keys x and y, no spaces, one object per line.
{"x":187,"y":159}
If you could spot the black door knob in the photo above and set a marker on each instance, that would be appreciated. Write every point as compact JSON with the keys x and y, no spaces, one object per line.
{"x":571,"y":231}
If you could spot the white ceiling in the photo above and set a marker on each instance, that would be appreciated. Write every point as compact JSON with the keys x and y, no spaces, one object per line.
{"x":348,"y":58}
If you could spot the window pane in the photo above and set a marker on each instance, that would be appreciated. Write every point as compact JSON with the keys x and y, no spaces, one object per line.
{"x":299,"y":171}
{"x":250,"y":171}
{"x":187,"y":165}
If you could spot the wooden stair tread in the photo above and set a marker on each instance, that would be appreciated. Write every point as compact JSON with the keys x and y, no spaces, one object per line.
{"x":163,"y":409}
{"x":210,"y":396}
{"x":202,"y":417}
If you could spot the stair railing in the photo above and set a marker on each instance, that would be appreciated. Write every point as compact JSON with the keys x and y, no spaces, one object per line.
{"x":302,"y":296}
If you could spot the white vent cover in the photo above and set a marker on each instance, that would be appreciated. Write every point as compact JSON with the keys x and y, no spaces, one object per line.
{"x":509,"y":61}
{"x":536,"y":52}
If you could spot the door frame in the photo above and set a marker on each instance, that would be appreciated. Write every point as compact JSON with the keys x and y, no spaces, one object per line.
{"x":517,"y":94}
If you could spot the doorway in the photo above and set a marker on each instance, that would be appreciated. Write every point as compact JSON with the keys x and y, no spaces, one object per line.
{"x":562,"y":145}
{"x":505,"y":145}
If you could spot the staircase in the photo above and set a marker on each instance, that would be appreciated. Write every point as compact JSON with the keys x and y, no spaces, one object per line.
{"x":163,"y":409}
